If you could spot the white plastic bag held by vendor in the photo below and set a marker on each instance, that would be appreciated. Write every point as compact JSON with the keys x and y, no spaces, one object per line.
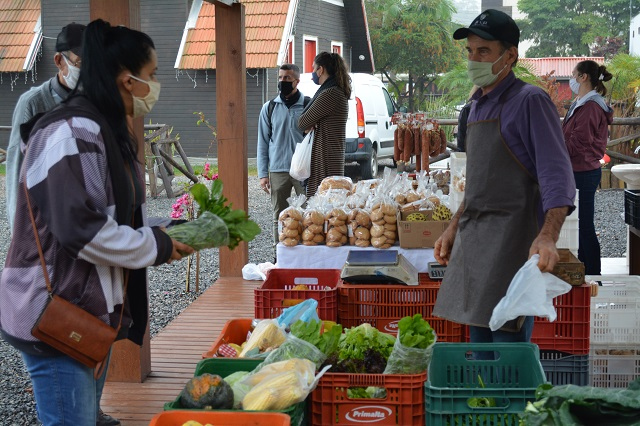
{"x":530,"y":293}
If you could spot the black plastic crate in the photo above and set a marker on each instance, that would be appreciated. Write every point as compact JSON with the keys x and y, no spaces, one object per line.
{"x":562,"y":368}
{"x":632,"y":207}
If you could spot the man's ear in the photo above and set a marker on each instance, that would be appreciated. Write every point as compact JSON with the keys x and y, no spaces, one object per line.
{"x":57,"y":59}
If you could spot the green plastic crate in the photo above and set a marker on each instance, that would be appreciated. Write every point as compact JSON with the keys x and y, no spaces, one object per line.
{"x":455,"y":380}
{"x":226,"y":366}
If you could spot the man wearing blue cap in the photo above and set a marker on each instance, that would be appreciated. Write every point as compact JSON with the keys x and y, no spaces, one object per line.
{"x":519,"y":185}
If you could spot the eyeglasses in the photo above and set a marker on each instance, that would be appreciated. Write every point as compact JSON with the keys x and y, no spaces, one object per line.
{"x":77,"y":63}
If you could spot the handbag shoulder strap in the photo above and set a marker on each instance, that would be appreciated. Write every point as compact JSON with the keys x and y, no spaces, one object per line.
{"x":44,"y":265}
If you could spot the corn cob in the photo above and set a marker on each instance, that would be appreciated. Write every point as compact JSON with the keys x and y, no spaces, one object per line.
{"x":267,"y":334}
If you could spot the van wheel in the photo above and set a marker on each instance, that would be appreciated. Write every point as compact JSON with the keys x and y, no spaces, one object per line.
{"x":369,"y":169}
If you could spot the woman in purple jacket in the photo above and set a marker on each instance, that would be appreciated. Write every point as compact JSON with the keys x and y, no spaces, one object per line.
{"x":586,"y":130}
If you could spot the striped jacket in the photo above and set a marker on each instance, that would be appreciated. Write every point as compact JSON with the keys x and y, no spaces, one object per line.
{"x":328,"y":112}
{"x":67,"y":171}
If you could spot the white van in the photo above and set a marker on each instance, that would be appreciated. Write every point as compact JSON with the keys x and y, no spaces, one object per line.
{"x":369,"y":132}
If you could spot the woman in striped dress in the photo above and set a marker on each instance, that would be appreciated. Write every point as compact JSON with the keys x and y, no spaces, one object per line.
{"x":327,"y":115}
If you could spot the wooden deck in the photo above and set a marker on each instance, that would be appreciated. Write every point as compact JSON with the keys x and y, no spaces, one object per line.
{"x":176,"y":350}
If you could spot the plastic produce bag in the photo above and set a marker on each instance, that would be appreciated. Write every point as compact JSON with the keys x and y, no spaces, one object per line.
{"x":251,"y":271}
{"x":305,"y":311}
{"x":294,"y":347}
{"x":301,"y":160}
{"x":530,"y":293}
{"x":207,"y":231}
{"x":406,"y":360}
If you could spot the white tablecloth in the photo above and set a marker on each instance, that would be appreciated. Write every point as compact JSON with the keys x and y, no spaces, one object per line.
{"x":323,"y":257}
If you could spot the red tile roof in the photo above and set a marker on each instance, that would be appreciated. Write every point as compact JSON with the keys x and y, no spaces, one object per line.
{"x":563,"y":66}
{"x":18,"y":19}
{"x":264,"y":27}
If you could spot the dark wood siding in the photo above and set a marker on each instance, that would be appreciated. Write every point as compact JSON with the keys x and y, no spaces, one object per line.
{"x":324,"y":20}
{"x":55,"y":15}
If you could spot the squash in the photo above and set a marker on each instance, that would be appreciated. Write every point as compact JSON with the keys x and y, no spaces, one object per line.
{"x":208,"y":391}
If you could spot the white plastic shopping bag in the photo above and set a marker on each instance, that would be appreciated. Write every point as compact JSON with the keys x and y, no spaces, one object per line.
{"x":530,"y":293}
{"x":251,"y":271}
{"x":301,"y":160}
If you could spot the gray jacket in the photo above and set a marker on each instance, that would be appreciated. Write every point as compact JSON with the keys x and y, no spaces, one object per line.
{"x":31,"y":103}
{"x":274,"y":154}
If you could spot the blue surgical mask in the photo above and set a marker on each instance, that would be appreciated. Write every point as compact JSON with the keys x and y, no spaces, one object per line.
{"x":315,"y":78}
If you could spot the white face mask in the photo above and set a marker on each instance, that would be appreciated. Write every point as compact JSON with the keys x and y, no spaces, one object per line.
{"x":73,"y":73}
{"x":142,"y":106}
{"x":481,"y":73}
{"x":574,"y":85}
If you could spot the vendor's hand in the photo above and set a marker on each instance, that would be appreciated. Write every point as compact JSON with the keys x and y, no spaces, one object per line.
{"x":265,"y":184}
{"x":546,"y":248}
{"x":444,"y":245}
{"x":179,"y":248}
{"x":309,"y":129}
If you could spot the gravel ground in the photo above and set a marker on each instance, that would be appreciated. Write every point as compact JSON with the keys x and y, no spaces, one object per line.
{"x":167,"y":283}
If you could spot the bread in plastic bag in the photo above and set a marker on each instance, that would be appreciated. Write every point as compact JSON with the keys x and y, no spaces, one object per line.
{"x":290,"y":221}
{"x":530,"y":293}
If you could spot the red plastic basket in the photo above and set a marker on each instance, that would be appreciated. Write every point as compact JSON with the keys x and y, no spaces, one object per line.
{"x":383,"y":305}
{"x":234,"y":331}
{"x":220,"y":418}
{"x":275,"y":294}
{"x":403,"y":404}
{"x":571,"y":330}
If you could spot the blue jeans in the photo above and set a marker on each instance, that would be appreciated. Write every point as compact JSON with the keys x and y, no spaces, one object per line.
{"x":66,"y":392}
{"x":485,"y":335}
{"x":588,"y":244}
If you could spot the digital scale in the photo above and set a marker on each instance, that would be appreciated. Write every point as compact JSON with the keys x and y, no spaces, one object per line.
{"x":378,"y":267}
{"x":436,"y":270}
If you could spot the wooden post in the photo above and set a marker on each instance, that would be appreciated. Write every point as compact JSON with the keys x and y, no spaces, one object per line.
{"x":129,"y":362}
{"x":231,"y":107}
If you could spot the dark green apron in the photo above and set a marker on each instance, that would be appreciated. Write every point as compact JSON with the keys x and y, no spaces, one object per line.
{"x":495,"y":232}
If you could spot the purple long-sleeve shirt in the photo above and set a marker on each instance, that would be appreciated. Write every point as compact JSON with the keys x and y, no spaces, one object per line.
{"x":531,"y":128}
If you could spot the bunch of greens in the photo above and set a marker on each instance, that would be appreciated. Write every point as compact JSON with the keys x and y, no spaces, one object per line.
{"x":415,"y":332}
{"x":327,"y":342}
{"x":413,"y":348}
{"x":240,"y":228}
{"x":583,"y":405}
{"x":358,"y":339}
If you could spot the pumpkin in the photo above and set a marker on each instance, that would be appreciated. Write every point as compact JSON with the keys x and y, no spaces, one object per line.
{"x":207,"y":391}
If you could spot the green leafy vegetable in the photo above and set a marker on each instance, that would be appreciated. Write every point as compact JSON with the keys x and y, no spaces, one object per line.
{"x":415,"y":332}
{"x":240,"y":228}
{"x":583,"y":405}
{"x":357,"y":340}
{"x":327,"y":342}
{"x":205,"y":232}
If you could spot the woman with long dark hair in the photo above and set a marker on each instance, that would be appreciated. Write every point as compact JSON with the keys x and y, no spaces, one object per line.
{"x":327,"y":115}
{"x":586,"y":131}
{"x":86,"y":190}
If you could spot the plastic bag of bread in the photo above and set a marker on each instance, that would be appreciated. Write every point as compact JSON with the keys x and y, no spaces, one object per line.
{"x":290,"y":221}
{"x":384,"y":209}
{"x":336,"y":182}
{"x":358,"y":199}
{"x":359,"y":228}
{"x":313,"y":222}
{"x":336,"y":225}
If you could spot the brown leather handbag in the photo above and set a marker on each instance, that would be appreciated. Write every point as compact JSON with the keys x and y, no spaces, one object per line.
{"x":70,"y":329}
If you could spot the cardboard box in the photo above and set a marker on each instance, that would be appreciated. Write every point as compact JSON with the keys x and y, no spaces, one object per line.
{"x":419,"y":234}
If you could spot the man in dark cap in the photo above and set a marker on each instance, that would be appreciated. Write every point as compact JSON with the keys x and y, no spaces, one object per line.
{"x":41,"y":99}
{"x":519,"y":185}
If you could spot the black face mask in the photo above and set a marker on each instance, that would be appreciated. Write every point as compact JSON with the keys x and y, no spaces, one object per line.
{"x":285,"y":87}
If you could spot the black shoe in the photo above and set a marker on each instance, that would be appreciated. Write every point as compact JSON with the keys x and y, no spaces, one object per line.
{"x":106,"y":420}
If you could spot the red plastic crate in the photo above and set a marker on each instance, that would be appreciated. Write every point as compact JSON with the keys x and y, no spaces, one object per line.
{"x":571,"y":330}
{"x":383,"y":305}
{"x":234,"y":331}
{"x":276,"y":294}
{"x":403,"y":404}
{"x":220,"y":418}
